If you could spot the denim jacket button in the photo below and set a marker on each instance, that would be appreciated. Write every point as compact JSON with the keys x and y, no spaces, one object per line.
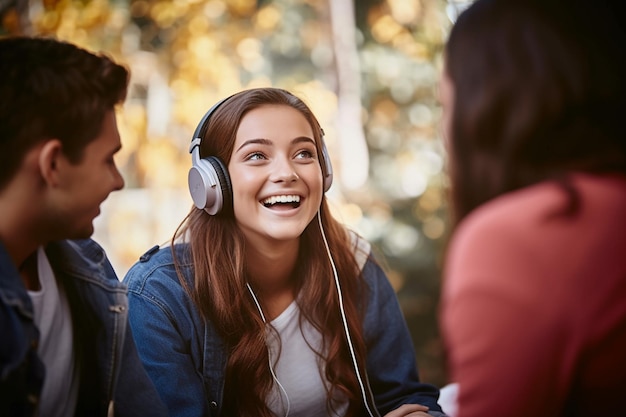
{"x":213,"y":405}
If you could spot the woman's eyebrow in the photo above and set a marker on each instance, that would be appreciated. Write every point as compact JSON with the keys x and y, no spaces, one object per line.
{"x":261,"y":141}
{"x":255,"y":141}
{"x":302,"y":139}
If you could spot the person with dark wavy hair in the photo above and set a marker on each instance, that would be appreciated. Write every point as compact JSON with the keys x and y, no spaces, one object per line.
{"x":533,"y":313}
{"x":66,"y":347}
{"x":264,"y":304}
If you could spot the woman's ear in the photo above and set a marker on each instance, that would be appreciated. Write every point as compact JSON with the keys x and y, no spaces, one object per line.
{"x":51,"y":161}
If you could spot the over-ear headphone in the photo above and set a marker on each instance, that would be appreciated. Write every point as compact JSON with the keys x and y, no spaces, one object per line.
{"x":208,"y":179}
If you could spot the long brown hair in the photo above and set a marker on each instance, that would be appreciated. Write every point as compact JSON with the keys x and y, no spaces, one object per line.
{"x":219,"y":287}
{"x":539,"y":92}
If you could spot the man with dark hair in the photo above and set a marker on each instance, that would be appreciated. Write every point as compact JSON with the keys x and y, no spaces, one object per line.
{"x":66,"y":347}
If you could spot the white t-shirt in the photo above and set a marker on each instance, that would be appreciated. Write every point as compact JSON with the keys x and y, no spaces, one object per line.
{"x":298,"y":368}
{"x":56,"y":348}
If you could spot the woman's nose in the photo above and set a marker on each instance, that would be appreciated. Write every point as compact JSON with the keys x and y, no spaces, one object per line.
{"x":284,"y":172}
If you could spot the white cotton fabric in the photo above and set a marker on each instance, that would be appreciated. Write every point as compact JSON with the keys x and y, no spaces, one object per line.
{"x":297,"y":368}
{"x":56,"y":349}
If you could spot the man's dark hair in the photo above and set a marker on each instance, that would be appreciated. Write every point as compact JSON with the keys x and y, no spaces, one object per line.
{"x":53,"y":89}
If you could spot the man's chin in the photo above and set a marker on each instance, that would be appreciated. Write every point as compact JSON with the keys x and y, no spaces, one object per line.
{"x":85,"y":233}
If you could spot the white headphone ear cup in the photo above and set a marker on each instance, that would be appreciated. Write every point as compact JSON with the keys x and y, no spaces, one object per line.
{"x":328,"y":168}
{"x":224,"y":183}
{"x":208,"y":180}
{"x":204,"y":187}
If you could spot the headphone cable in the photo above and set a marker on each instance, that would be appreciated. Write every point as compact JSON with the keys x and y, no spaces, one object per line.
{"x":343,"y":318}
{"x":269,"y":359}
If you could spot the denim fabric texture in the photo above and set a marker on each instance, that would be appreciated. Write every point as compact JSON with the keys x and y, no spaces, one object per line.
{"x":112,"y":378}
{"x":191,"y":381}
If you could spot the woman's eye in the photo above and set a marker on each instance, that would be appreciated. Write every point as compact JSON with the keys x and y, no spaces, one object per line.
{"x":255,"y":156}
{"x":304,"y":154}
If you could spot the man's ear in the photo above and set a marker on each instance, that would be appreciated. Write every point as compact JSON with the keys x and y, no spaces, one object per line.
{"x":51,"y":161}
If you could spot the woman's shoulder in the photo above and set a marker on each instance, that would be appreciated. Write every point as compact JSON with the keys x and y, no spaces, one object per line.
{"x":527,"y":210}
{"x":361,"y":248}
{"x":370,"y":269}
{"x":155,"y":293}
{"x":529,"y":231}
{"x":156,"y":267}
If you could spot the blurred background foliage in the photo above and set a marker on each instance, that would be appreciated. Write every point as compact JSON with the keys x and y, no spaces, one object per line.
{"x":369,"y":70}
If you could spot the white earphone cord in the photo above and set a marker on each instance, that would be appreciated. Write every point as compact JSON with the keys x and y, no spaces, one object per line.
{"x":343,"y":318}
{"x":258,"y":306}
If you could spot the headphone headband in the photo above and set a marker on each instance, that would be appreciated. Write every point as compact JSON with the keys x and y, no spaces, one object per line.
{"x":205,"y":118}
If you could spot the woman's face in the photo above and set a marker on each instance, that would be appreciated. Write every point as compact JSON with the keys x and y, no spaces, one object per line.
{"x":275,"y":174}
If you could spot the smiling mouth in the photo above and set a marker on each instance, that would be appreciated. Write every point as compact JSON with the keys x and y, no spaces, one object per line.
{"x":291,"y":201}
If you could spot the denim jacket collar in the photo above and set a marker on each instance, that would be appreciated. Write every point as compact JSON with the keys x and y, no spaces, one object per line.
{"x":12,"y":290}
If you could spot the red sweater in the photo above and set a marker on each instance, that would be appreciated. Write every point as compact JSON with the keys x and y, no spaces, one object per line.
{"x":533,"y":311}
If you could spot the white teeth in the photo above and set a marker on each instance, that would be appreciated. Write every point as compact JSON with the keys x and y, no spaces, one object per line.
{"x":281,"y":199}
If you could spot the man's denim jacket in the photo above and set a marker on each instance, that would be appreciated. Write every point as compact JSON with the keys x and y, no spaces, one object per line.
{"x":112,"y":378}
{"x":191,"y":381}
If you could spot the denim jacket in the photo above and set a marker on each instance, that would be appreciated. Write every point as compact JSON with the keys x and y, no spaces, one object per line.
{"x":186,"y":358}
{"x":112,"y":378}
